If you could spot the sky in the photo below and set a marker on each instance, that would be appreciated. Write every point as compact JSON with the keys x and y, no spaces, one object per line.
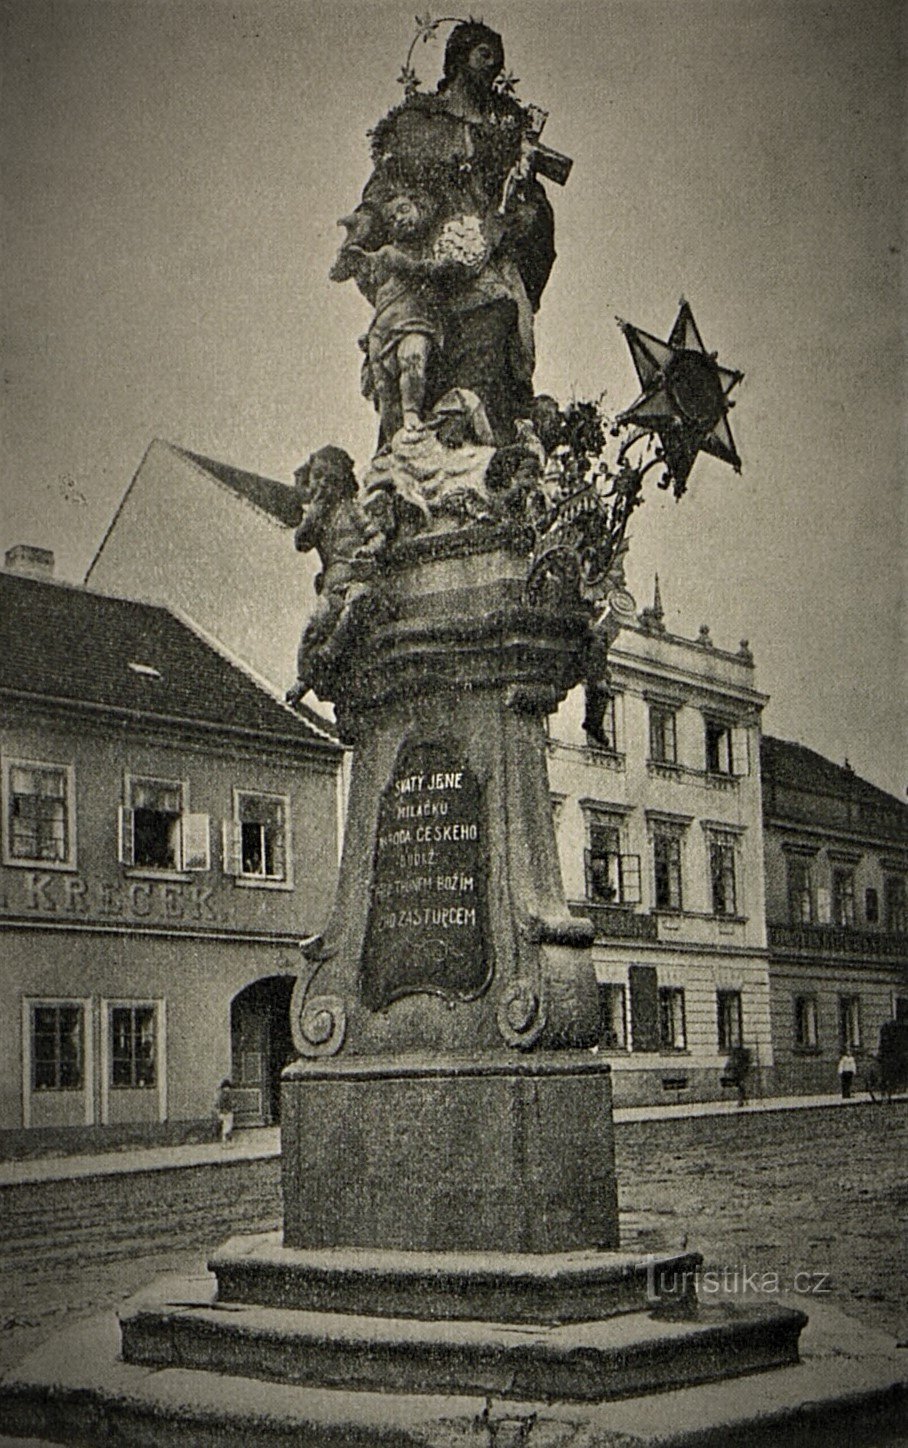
{"x":172,"y":173}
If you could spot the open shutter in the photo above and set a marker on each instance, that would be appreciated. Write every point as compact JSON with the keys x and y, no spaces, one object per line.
{"x":125,"y":835}
{"x":740,"y":751}
{"x":232,"y":847}
{"x":631,"y":893}
{"x":644,"y":990}
{"x":196,"y":842}
{"x":279,"y":850}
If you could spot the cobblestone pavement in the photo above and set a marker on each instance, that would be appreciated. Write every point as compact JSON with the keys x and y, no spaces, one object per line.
{"x":822,"y":1193}
{"x":811,"y":1203}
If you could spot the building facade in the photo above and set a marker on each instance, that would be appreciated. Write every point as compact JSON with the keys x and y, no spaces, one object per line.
{"x":169,"y":833}
{"x":836,"y":852}
{"x":656,"y":785}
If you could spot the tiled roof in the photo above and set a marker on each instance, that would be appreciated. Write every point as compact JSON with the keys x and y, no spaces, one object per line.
{"x":278,"y":499}
{"x":61,"y":642}
{"x":800,"y":768}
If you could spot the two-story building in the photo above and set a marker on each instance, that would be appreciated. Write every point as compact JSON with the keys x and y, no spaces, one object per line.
{"x":169,"y":833}
{"x":656,"y":783}
{"x":836,"y":851}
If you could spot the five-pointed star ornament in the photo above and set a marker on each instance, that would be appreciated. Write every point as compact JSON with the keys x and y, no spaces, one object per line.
{"x":684,"y":398}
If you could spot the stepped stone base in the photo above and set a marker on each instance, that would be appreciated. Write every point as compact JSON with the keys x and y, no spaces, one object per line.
{"x":180,"y":1324}
{"x":478,"y":1286}
{"x":850,"y":1386}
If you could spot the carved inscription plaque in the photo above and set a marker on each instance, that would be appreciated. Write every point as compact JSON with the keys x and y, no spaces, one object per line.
{"x":427,"y":928}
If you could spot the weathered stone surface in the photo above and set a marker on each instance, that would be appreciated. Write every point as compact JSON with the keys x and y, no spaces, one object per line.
{"x":178,"y":1325}
{"x":494,"y":1287}
{"x":447,"y":1154}
{"x":850,"y":1386}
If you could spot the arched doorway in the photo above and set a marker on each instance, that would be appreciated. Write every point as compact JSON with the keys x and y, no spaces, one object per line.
{"x":261,"y":1044}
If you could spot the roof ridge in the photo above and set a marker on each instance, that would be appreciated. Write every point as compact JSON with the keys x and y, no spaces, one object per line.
{"x":122,"y":503}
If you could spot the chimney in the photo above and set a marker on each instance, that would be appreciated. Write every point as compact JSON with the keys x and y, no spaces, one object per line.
{"x":29,"y":561}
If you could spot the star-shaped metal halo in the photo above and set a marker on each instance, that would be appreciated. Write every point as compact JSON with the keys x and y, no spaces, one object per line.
{"x":684,"y":398}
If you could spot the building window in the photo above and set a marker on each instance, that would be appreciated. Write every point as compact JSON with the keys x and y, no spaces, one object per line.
{"x":256,"y":840}
{"x":849,"y":1022}
{"x":672,"y":1033}
{"x":895,"y":898}
{"x":662,"y":735}
{"x":800,"y":891}
{"x":599,"y":718}
{"x":612,"y":1017}
{"x":612,"y":878}
{"x":843,"y":897}
{"x":722,"y":876}
{"x":667,"y":870}
{"x":718,"y":747}
{"x":726,"y":749}
{"x":157,"y":832}
{"x":730,"y":1018}
{"x":57,"y":1047}
{"x":38,"y":819}
{"x":807,"y":1035}
{"x":871,"y":906}
{"x":133,"y":1046}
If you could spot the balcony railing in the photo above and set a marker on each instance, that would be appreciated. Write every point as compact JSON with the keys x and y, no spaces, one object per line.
{"x":837,"y":940}
{"x":612,"y":923}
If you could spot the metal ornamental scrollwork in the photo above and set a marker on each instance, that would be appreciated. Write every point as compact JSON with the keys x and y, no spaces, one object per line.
{"x":322,"y":1026}
{"x":521,"y":1015}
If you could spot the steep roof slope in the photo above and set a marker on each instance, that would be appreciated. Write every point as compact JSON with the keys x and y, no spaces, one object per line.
{"x":278,"y":499}
{"x":60,"y":642}
{"x":797,"y":768}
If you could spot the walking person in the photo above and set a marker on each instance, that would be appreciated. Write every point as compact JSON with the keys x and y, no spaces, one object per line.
{"x":847,"y":1068}
{"x":225,"y":1110}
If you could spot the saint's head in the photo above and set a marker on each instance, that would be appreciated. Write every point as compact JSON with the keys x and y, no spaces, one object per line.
{"x":474,"y":55}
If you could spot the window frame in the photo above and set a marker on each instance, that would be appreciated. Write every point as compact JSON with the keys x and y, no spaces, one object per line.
{"x":729,"y":996}
{"x":671,"y":996}
{"x":108,"y":1005}
{"x":663,"y":733}
{"x":850,"y":1034}
{"x":29,"y":1095}
{"x":192,"y":851}
{"x":233,"y":842}
{"x":133,"y":1057}
{"x":805,"y":865}
{"x":843,"y":874}
{"x":616,"y":993}
{"x":35,"y":862}
{"x":895,"y":903}
{"x":805,"y":1008}
{"x":729,"y":870}
{"x":665,"y":836}
{"x":622,"y":869}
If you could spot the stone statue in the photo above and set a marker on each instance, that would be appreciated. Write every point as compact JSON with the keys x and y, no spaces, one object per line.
{"x":453,"y":241}
{"x":346,"y":539}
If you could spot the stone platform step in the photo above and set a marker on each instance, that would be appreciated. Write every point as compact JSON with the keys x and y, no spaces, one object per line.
{"x":488,"y":1287}
{"x":178,"y":1324}
{"x":850,"y":1387}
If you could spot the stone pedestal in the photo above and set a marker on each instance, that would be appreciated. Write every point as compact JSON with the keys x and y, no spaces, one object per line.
{"x":440,"y":1154}
{"x":440,"y":1102}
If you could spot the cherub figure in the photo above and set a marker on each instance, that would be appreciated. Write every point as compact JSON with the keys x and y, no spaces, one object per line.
{"x":347,"y":540}
{"x":400,"y":277}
